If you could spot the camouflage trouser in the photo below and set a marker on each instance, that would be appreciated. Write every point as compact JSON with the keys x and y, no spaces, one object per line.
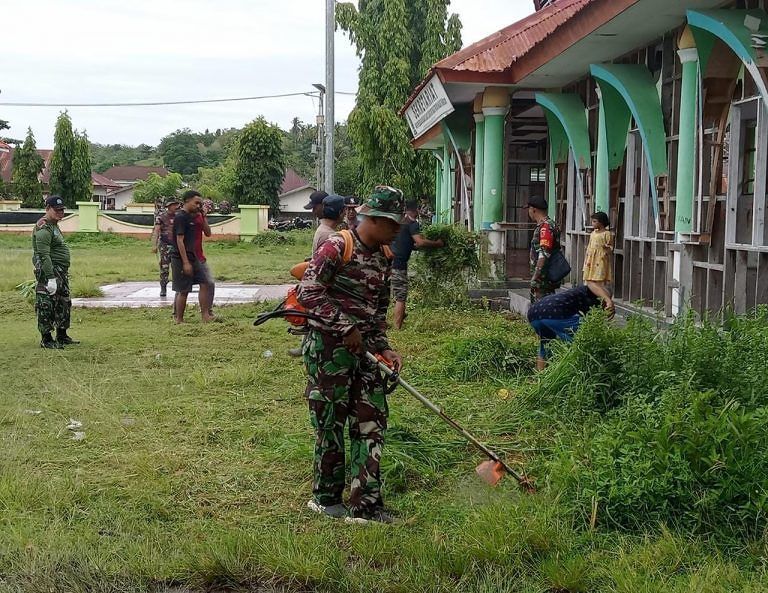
{"x":164,"y":251}
{"x":542,"y":287}
{"x":344,"y":387}
{"x":53,"y":310}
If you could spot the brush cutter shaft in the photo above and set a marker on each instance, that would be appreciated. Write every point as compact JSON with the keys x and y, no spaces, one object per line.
{"x":448,"y":420}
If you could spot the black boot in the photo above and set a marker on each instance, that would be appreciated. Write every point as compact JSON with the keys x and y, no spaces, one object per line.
{"x":49,"y":343}
{"x":63,"y":339}
{"x":163,"y":290}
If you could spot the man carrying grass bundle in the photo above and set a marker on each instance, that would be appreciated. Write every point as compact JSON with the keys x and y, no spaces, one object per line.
{"x":351,"y":297}
{"x":408,"y":239}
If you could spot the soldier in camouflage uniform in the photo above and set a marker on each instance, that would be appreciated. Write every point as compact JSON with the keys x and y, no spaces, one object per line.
{"x":344,"y":387}
{"x":546,"y":240}
{"x":50,"y":257}
{"x":163,"y":239}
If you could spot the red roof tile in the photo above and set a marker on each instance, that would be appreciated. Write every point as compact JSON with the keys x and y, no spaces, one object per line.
{"x":499,"y":51}
{"x":292,"y":181}
{"x":6,"y":165}
{"x":6,"y":169}
{"x":133,"y":172}
{"x":102,"y":181}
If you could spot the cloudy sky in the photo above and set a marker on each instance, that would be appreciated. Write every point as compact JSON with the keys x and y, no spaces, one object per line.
{"x":85,"y":51}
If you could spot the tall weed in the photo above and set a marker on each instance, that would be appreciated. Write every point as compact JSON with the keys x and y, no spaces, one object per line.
{"x":663,"y":426}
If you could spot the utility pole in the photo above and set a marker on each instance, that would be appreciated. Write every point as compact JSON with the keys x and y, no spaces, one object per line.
{"x":320,"y":121}
{"x":330,"y":27}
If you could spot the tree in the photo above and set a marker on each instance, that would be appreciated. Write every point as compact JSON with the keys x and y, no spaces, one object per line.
{"x":155,"y":187}
{"x":259,"y":165}
{"x":180,"y":151}
{"x":62,"y":160}
{"x":418,"y":33}
{"x":27,"y":166}
{"x":82,"y":184}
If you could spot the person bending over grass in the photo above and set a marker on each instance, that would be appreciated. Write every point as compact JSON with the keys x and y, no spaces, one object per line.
{"x":558,"y":316}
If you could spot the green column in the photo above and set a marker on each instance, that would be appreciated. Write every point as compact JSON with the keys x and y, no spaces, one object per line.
{"x":602,"y":172}
{"x":552,"y":185}
{"x":88,"y":217}
{"x":493,"y":166}
{"x":438,"y":186}
{"x":686,"y":147}
{"x":477,"y":178}
{"x":253,"y":220}
{"x":446,"y":211}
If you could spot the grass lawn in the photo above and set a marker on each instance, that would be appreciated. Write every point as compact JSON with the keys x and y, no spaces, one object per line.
{"x":195,"y":467}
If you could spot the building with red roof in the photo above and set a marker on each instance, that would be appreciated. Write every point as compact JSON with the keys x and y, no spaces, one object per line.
{"x":294,"y":195}
{"x":102,"y":185}
{"x":648,"y":110}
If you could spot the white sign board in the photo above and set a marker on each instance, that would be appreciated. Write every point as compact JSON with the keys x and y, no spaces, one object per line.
{"x":429,"y":107}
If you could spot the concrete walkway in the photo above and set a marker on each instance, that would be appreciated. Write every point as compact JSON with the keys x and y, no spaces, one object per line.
{"x":147,"y":294}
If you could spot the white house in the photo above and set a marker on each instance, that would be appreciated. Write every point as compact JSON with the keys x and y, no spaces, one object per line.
{"x":294,"y":195}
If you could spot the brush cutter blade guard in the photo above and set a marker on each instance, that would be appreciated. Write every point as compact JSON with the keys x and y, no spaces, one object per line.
{"x":490,"y":472}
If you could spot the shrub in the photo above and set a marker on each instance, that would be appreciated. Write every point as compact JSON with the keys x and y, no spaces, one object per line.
{"x":663,"y":426}
{"x":491,"y":357}
{"x":269,"y":238}
{"x":442,"y":275}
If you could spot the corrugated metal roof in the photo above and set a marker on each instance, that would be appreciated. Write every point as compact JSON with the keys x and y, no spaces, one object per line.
{"x":499,"y":51}
{"x":292,"y":181}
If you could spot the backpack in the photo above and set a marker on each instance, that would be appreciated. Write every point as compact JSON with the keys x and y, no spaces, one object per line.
{"x":291,"y":302}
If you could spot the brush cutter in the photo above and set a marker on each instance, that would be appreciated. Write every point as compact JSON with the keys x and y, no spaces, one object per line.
{"x":490,"y":471}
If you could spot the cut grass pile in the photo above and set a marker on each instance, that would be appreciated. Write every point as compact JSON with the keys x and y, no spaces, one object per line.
{"x":195,"y":467}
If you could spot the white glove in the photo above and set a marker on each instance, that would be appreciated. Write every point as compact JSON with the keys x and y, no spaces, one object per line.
{"x":52,"y":286}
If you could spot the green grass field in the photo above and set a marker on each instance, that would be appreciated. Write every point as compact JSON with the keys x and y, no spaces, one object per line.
{"x":195,"y":467}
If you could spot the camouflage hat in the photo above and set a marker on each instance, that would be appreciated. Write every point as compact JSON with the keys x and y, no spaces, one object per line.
{"x":385,"y":202}
{"x":171,"y":200}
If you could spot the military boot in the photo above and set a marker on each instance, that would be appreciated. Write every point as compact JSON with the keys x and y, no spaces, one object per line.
{"x":49,"y":343}
{"x":63,"y":339}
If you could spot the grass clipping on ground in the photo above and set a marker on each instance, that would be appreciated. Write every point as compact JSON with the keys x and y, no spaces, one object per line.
{"x":195,"y":466}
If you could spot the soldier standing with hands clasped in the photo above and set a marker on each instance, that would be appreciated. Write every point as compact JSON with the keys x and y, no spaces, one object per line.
{"x":50,"y":257}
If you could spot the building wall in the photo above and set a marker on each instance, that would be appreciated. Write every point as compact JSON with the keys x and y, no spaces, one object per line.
{"x":292,"y":204}
{"x":725,"y":264}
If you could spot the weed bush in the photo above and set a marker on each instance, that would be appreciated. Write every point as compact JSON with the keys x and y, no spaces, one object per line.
{"x":663,"y":426}
{"x":442,"y":275}
{"x":268,"y":238}
{"x":498,"y":357}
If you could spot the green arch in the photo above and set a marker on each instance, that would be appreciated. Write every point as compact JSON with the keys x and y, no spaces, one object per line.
{"x":729,"y":27}
{"x":631,"y":87}
{"x":567,"y":118}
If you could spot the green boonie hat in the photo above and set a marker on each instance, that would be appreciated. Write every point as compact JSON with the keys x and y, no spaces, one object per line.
{"x":385,"y":202}
{"x":170,"y":201}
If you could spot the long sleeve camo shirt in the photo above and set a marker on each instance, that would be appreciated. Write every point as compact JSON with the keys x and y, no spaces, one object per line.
{"x":348,"y":295}
{"x":49,"y":250}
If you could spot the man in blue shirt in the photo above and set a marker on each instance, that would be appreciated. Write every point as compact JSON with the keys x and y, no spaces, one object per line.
{"x":408,"y":239}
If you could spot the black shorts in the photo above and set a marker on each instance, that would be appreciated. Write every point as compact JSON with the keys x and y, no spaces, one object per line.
{"x":182,"y":282}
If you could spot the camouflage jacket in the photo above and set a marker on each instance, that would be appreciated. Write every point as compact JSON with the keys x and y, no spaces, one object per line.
{"x":355,"y":294}
{"x":164,"y":221}
{"x":49,"y":250}
{"x":546,"y":239}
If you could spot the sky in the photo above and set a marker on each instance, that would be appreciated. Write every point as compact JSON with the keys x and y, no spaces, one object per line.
{"x":86,"y":51}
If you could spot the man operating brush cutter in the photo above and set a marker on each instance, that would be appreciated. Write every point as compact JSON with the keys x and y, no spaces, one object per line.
{"x":490,"y":471}
{"x":347,"y":297}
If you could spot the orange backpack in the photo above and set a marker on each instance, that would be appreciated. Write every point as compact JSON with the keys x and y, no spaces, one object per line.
{"x":291,"y":302}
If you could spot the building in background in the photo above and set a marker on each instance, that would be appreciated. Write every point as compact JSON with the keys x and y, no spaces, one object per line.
{"x":650,"y":110}
{"x":294,"y":195}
